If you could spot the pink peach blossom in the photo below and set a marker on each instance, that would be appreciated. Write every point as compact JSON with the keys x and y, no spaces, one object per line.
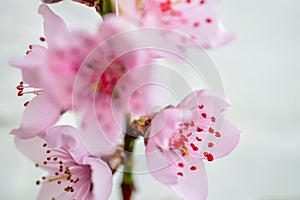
{"x":192,"y":19}
{"x":72,"y":172}
{"x":49,"y":73}
{"x":181,"y":137}
{"x":79,"y":71}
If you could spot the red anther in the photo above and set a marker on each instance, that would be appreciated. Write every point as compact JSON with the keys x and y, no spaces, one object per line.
{"x":198,"y":139}
{"x":213,"y":119}
{"x":180,"y":174}
{"x":192,"y":123}
{"x":199,"y":129}
{"x":201,"y":106}
{"x":186,"y":124}
{"x":182,"y":137}
{"x":180,"y":131}
{"x":211,"y":130}
{"x":20,"y":87}
{"x":26,"y":103}
{"x":188,"y":1}
{"x":217,"y":134}
{"x":180,"y":164}
{"x":202,"y":2}
{"x":193,"y":168}
{"x":30,"y":46}
{"x":210,"y":145}
{"x":209,"y":157}
{"x":208,"y":20}
{"x":189,"y":135}
{"x":203,"y":115}
{"x":27,"y":52}
{"x":196,"y":24}
{"x":195,"y":148}
{"x":20,"y":93}
{"x":42,"y":39}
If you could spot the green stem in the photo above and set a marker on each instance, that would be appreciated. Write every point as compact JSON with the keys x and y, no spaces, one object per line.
{"x":103,"y":6}
{"x":128,"y":181}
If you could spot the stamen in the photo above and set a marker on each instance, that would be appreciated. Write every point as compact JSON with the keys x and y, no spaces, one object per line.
{"x":21,"y":89}
{"x":59,"y":178}
{"x":26,"y":103}
{"x":210,"y":144}
{"x":42,"y":39}
{"x":209,"y":156}
{"x":217,"y":134}
{"x":180,"y":174}
{"x":180,"y":164}
{"x":195,"y":148}
{"x":199,"y":129}
{"x":184,"y":151}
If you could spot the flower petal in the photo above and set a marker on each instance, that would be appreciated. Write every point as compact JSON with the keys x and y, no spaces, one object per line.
{"x":32,"y":148}
{"x":65,"y":137}
{"x":50,"y":190}
{"x":101,"y":128}
{"x":38,"y":115}
{"x":160,"y":164}
{"x":212,"y":103}
{"x":54,"y":27}
{"x":202,"y":25}
{"x":101,"y":178}
{"x":230,"y":138}
{"x":32,"y":66}
{"x":192,"y":185}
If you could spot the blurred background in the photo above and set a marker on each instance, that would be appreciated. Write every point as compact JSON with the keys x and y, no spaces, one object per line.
{"x":260,"y":73}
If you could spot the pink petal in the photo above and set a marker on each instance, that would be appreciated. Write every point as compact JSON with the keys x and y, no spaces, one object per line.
{"x":139,"y":92}
{"x":32,"y":148}
{"x":38,"y":115}
{"x":192,"y":185}
{"x":33,"y":59}
{"x":101,"y":178}
{"x":54,"y":27}
{"x":199,"y":22}
{"x":230,"y":138}
{"x":32,"y":65}
{"x":51,"y":190}
{"x":209,"y":35}
{"x":65,"y":137}
{"x":212,"y":103}
{"x":159,"y":164}
{"x":101,"y":128}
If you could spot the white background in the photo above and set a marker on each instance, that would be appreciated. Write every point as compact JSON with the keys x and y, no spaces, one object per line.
{"x":260,"y":73}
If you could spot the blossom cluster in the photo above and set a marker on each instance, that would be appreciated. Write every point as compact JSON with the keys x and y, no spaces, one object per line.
{"x":97,"y":76}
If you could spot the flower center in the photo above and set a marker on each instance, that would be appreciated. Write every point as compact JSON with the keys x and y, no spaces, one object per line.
{"x":108,"y":80}
{"x":64,"y":170}
{"x":192,"y":138}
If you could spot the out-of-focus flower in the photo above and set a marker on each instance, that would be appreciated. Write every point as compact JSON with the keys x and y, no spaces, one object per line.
{"x":181,"y":137}
{"x":65,"y":82}
{"x":73,"y":173}
{"x":191,"y":18}
{"x":50,"y":73}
